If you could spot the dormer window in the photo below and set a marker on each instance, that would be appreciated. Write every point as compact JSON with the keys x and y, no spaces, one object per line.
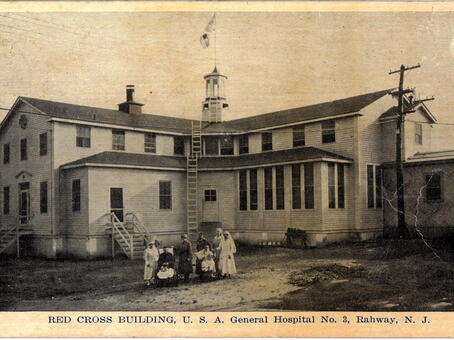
{"x":328,"y":131}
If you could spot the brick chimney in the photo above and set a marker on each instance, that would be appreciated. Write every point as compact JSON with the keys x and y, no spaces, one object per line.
{"x":130,"y":106}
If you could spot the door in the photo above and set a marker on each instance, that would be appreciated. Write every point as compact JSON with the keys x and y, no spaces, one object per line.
{"x":116,"y":202}
{"x":210,"y":205}
{"x":24,"y":203}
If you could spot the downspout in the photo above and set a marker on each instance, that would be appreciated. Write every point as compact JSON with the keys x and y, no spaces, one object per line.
{"x":52,"y":196}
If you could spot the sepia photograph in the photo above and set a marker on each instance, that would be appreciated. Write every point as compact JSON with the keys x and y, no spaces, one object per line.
{"x":227,"y":161}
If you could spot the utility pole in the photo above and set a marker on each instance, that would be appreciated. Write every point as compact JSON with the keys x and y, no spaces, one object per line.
{"x":402,"y":230}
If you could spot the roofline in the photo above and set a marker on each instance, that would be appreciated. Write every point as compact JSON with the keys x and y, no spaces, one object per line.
{"x":414,"y":162}
{"x":107,"y":125}
{"x":11,"y":111}
{"x":125,"y":166}
{"x":344,"y":115}
{"x":149,"y":167}
{"x":312,"y":160}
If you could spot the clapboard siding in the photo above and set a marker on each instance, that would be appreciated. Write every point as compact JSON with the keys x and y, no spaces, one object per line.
{"x":101,"y":140}
{"x":74,"y":223}
{"x":337,"y":218}
{"x":429,"y":218}
{"x":140,"y":196}
{"x":370,"y":137}
{"x":410,"y":145}
{"x":38,"y":168}
{"x":283,"y":138}
{"x":223,"y":210}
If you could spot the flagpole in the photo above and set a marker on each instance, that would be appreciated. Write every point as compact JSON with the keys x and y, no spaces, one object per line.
{"x":215,"y":34}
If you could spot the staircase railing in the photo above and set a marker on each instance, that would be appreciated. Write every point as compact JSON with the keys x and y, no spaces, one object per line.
{"x":7,"y":232}
{"x":139,"y":226}
{"x":126,"y":236}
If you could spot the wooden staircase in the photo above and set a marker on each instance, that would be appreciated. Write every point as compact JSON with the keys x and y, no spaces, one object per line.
{"x":191,"y":179}
{"x":131,"y":241}
{"x":11,"y":235}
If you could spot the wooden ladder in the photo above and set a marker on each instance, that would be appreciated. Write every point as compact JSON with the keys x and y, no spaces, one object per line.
{"x":191,"y":178}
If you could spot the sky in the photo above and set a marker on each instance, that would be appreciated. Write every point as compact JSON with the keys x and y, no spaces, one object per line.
{"x":273,"y":61}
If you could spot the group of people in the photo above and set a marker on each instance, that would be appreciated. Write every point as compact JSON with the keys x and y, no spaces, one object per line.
{"x":212,"y":260}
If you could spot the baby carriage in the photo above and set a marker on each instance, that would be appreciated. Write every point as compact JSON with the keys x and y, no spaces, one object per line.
{"x":166,"y":275}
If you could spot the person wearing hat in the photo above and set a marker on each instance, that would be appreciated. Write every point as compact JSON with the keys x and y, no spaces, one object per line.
{"x":151,"y":256}
{"x":185,"y":258}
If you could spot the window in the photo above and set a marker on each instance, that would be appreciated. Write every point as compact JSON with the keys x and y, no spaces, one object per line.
{"x":210,"y":195}
{"x":374,"y":187}
{"x":244,"y":144}
{"x":150,"y":142}
{"x":296,"y":186}
{"x":253,"y":205}
{"x":23,"y":149}
{"x":328,"y":131}
{"x":6,"y":200}
{"x":43,"y":197}
{"x":378,"y":187}
{"x":340,"y":186}
{"x":433,"y":187}
{"x":280,"y":191}
{"x":331,"y":186}
{"x":165,"y":195}
{"x":211,"y":146}
{"x":267,"y":141}
{"x":75,"y":195}
{"x":243,"y":190}
{"x":268,"y":174}
{"x":116,"y":203}
{"x":83,"y":136}
{"x":178,"y":145}
{"x":418,"y":133}
{"x":298,"y":136}
{"x":309,"y":186}
{"x":43,"y":144}
{"x":370,"y":186}
{"x":5,"y":153}
{"x":118,"y":140}
{"x":227,"y":145}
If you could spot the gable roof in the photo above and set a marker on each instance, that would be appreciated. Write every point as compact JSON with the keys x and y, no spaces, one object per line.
{"x":125,"y":159}
{"x":89,"y":114}
{"x":99,"y":115}
{"x":393,"y":112}
{"x":301,"y":114}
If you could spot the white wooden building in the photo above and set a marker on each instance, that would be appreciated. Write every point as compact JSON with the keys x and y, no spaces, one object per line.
{"x":66,"y":168}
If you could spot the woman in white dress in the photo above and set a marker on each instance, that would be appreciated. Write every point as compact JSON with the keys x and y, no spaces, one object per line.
{"x":216,"y":250}
{"x":151,"y":256}
{"x":226,"y":258}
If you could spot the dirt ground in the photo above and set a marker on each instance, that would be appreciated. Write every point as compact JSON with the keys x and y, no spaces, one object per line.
{"x":383,"y":276}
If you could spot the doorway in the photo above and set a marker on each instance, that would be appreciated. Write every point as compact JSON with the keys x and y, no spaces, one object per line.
{"x":116,"y":203}
{"x":24,"y":203}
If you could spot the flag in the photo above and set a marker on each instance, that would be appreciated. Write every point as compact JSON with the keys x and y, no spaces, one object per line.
{"x":210,"y":27}
{"x":204,"y":40}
